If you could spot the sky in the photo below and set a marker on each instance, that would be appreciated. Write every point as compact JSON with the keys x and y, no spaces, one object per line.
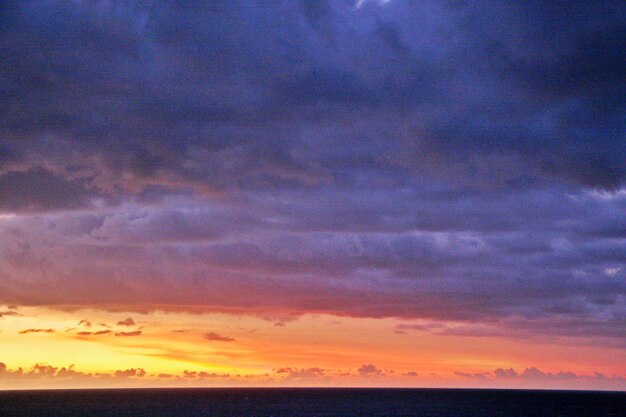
{"x":424,"y":193}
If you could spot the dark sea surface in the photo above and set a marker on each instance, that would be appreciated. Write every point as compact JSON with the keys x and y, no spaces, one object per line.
{"x":312,"y":402}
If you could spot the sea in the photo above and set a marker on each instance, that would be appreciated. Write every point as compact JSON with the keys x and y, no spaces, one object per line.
{"x":312,"y":402}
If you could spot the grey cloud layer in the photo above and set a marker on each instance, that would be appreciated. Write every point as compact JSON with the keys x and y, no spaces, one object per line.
{"x":439,"y":159}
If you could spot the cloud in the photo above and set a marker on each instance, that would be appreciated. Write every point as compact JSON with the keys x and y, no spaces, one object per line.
{"x":539,"y":114}
{"x":452,"y":329}
{"x":476,"y":375}
{"x":427,"y":327}
{"x":37,"y":331}
{"x":129,"y":334}
{"x":177,"y":150}
{"x":203,"y":375}
{"x":97,"y":333}
{"x":59,"y":374}
{"x":301,"y":373}
{"x":370,"y":370}
{"x":217,"y":337}
{"x":535,"y":374}
{"x":45,"y":375}
{"x":9,"y":313}
{"x":38,"y":190}
{"x":138,"y":372}
{"x":126,"y":322}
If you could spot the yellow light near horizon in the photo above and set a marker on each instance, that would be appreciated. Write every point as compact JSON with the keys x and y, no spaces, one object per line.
{"x":175,"y":342}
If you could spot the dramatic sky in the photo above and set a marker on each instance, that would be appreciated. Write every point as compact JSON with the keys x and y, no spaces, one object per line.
{"x":314,"y":192}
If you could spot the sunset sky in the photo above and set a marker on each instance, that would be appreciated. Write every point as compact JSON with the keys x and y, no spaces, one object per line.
{"x":425,"y":193}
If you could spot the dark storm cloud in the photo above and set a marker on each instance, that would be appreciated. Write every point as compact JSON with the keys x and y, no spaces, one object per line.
{"x":168,"y":93}
{"x":419,"y":159}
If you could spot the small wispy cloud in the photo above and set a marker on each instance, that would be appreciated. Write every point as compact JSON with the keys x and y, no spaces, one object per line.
{"x":128,"y":334}
{"x":98,"y":333}
{"x":361,"y":3}
{"x":9,"y":313}
{"x":217,"y":337}
{"x":37,"y":331}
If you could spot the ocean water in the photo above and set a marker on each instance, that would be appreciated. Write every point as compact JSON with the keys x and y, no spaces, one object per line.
{"x":312,"y":403}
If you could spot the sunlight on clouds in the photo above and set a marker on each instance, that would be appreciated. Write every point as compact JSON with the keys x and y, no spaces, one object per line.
{"x":609,"y":195}
{"x":361,"y":3}
{"x":317,"y":193}
{"x":612,"y":271}
{"x":233,"y":349}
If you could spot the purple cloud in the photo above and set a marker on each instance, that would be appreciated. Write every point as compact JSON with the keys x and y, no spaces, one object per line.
{"x":534,"y":374}
{"x":471,"y":152}
{"x":369,"y":370}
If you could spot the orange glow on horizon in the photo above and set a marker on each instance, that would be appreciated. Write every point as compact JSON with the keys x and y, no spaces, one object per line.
{"x":217,"y":349}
